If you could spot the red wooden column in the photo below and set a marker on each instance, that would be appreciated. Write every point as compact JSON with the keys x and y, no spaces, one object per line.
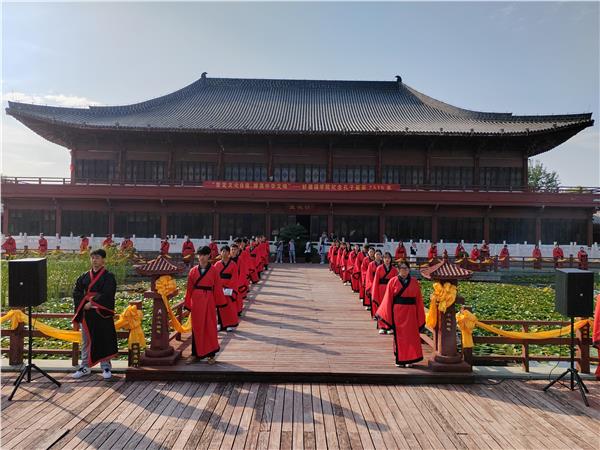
{"x":434,"y":227}
{"x":538,"y":229}
{"x":163,"y":224}
{"x":486,"y":227}
{"x":330,"y":221}
{"x":590,"y":230}
{"x":111,"y":221}
{"x":268,"y":223}
{"x":381,"y":225}
{"x":215,"y":233}
{"x":5,"y":213}
{"x":58,"y":220}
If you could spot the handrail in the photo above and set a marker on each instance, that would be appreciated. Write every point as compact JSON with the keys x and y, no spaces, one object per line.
{"x":17,"y":348}
{"x":416,"y":187}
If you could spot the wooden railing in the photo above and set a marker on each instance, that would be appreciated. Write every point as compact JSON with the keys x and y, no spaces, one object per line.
{"x":583,"y":343}
{"x":17,"y":348}
{"x":522,"y":262}
{"x":415,"y":187}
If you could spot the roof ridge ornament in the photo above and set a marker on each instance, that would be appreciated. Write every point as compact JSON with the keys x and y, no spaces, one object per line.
{"x":203,"y":76}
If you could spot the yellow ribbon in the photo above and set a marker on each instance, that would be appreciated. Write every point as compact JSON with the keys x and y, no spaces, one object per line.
{"x":130,"y":319}
{"x":442,"y":297}
{"x":467,"y":321}
{"x":165,"y":285}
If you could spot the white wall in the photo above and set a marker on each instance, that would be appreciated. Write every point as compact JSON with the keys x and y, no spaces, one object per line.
{"x":153,"y":245}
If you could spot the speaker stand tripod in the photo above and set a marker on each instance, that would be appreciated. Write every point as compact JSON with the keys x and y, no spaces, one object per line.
{"x":572,"y":371}
{"x":27,"y":369}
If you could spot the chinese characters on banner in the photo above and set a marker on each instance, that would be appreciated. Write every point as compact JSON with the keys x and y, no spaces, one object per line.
{"x":282,"y":186}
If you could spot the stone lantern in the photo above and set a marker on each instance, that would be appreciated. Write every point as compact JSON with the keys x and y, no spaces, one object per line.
{"x":160,"y":352}
{"x":447,"y":358}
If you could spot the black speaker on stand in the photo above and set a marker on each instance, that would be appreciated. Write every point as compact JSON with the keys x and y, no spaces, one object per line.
{"x":574,"y":291}
{"x":27,"y":283}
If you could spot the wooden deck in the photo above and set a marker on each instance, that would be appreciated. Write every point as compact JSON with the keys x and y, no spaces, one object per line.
{"x":163,"y":415}
{"x":302,"y":325}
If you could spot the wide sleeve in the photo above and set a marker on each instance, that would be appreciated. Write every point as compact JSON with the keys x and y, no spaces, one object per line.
{"x":106,"y":296}
{"x":235,"y":279}
{"x":78,"y":292}
{"x":369,"y":277}
{"x":384,"y":312}
{"x":187,"y":302}
{"x":596,"y":334}
{"x":375,"y":285}
{"x":219,"y":295}
{"x":420,"y":307}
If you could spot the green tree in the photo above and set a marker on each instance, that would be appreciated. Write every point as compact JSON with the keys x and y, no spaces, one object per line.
{"x":540,"y":178}
{"x":296,"y":232}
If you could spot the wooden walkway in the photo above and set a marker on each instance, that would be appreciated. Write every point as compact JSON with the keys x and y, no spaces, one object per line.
{"x":302,"y":325}
{"x":163,"y":415}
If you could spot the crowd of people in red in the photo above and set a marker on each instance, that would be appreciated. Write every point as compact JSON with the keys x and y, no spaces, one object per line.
{"x":391,"y":295}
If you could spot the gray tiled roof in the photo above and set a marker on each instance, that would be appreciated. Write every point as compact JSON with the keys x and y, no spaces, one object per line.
{"x":298,"y":106}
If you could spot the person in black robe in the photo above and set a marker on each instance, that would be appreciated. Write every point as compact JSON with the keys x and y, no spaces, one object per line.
{"x":94,"y":303}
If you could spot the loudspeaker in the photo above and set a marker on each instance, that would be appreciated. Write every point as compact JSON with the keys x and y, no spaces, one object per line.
{"x":574,"y":292}
{"x":27,"y":282}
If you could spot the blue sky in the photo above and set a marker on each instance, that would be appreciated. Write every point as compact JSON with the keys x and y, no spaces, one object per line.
{"x":525,"y":58}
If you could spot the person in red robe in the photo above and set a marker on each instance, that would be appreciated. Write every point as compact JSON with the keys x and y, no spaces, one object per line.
{"x":214,"y":249}
{"x":242,"y":259}
{"x":432,"y":253}
{"x":484,"y":253}
{"x":254,"y":261}
{"x":227,"y":314}
{"x":402,"y":310}
{"x":582,"y":259}
{"x":332,"y":256}
{"x":557,"y":255}
{"x":340,"y":260}
{"x":400,"y":252}
{"x":504,"y":257}
{"x":356,"y":273}
{"x":459,"y":252}
{"x":9,"y":246}
{"x":266,"y":252}
{"x":475,"y":253}
{"x":596,"y":332}
{"x":127,"y":245}
{"x":262,"y":254}
{"x":164,"y":246}
{"x":187,"y":251}
{"x":204,"y":292}
{"x":84,"y":244}
{"x":537,"y":257}
{"x":371,"y":270}
{"x":107,"y":242}
{"x":383,"y":275}
{"x":364,"y":265}
{"x":352,"y":255}
{"x":42,"y":245}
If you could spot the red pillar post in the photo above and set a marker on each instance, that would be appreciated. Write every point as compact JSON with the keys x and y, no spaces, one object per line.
{"x":5,"y":219}
{"x":163,"y":224}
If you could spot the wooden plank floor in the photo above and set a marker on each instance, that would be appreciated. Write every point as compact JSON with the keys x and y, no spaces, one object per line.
{"x":164,"y":415}
{"x":301,"y":325}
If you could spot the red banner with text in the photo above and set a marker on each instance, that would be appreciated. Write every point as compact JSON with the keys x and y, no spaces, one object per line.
{"x":283,"y":186}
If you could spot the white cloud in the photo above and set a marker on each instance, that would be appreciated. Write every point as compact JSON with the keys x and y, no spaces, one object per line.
{"x":70,"y":101}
